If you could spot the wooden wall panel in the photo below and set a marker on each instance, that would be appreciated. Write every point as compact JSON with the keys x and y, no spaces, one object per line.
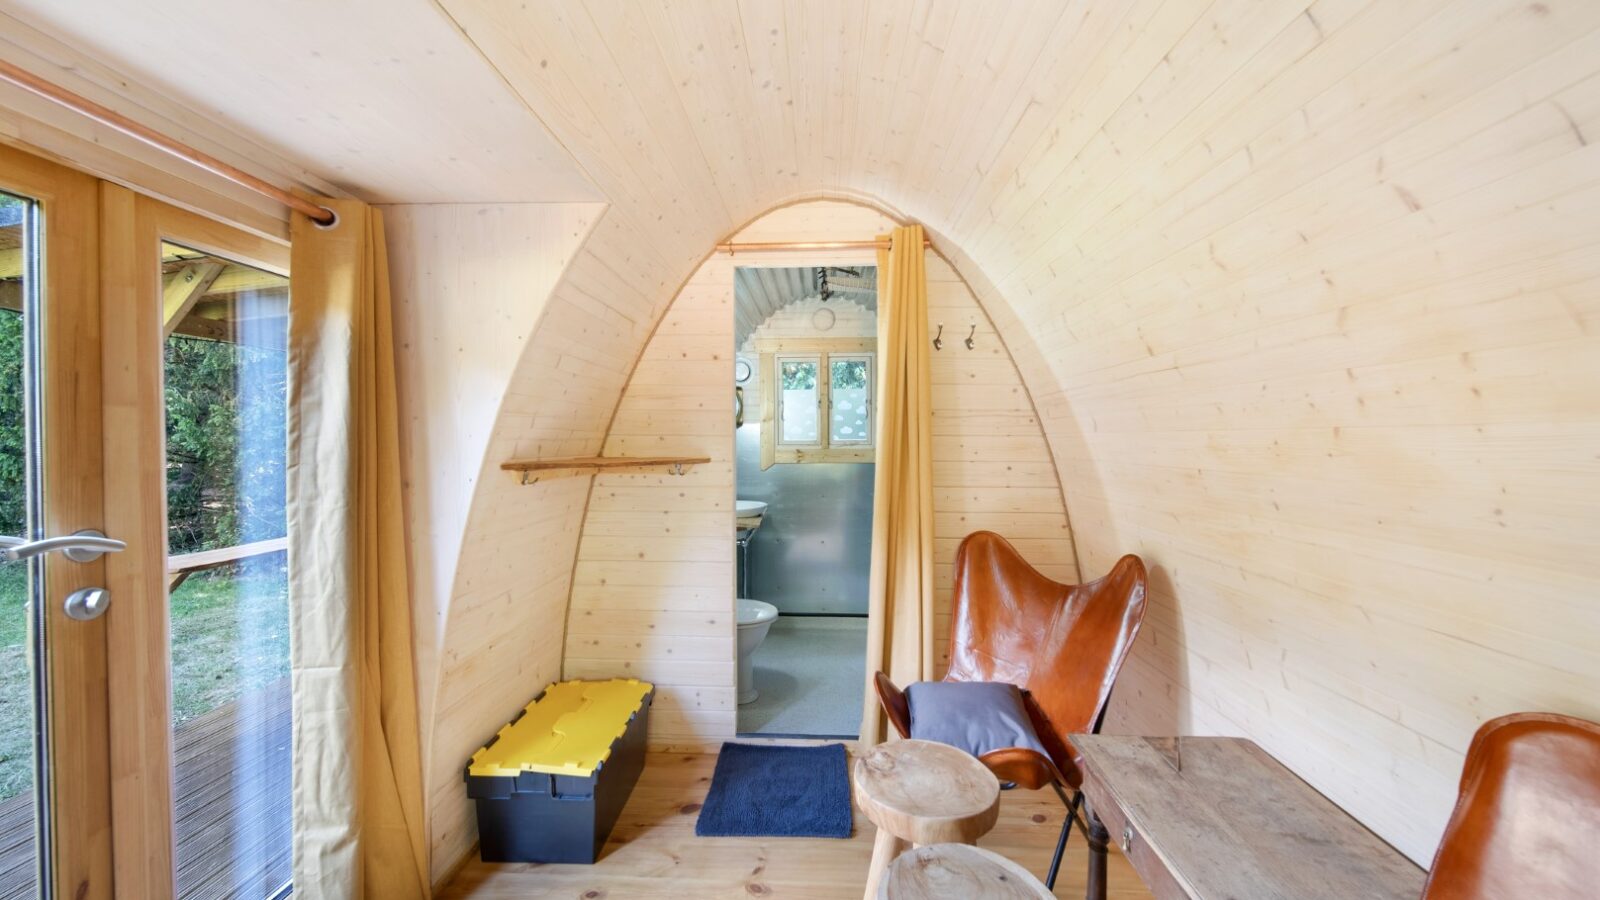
{"x":502,"y":637}
{"x":653,"y":591}
{"x":1323,"y":329}
{"x":469,"y":282}
{"x":489,"y":563}
{"x":992,"y":468}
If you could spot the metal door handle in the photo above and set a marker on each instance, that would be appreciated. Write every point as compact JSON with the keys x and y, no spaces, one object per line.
{"x":84,"y":546}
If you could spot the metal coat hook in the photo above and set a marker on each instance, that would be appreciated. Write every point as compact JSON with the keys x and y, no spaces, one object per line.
{"x":938,"y":339}
{"x":677,"y":468}
{"x":969,"y":336}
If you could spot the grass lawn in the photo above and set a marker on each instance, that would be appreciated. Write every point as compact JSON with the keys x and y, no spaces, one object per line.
{"x":230,"y":635}
{"x":16,"y":690}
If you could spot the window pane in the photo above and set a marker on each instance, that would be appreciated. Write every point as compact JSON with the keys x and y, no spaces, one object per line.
{"x":797,"y":381}
{"x":20,"y":582}
{"x":850,"y":384}
{"x":226,"y":376}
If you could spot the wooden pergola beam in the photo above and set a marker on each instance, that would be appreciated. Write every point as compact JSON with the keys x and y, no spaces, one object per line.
{"x":183,"y":289}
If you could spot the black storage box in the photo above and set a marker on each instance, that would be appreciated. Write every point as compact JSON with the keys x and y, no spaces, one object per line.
{"x":539,"y":805}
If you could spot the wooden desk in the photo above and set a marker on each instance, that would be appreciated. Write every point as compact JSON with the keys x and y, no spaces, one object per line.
{"x":1202,"y":817}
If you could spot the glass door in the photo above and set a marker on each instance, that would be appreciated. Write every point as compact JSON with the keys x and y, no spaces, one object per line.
{"x":225,"y":368}
{"x":24,"y":828}
{"x":144,"y":703}
{"x":54,"y":773}
{"x":200,"y":701}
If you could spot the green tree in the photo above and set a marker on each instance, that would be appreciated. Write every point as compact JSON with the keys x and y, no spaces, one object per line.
{"x":13,"y":512}
{"x":226,"y":418}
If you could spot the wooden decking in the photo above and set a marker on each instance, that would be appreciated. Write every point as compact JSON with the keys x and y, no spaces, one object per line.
{"x":232,"y":785}
{"x":16,"y":848}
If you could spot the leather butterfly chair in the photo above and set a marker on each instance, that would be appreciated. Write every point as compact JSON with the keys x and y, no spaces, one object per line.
{"x":1061,"y":644}
{"x":1527,"y":821}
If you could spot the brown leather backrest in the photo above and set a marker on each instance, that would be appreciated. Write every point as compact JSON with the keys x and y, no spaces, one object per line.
{"x":1527,"y":822}
{"x":1062,"y":643}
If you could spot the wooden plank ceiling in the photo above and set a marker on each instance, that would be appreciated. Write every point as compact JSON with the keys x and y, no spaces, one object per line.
{"x":760,"y":291}
{"x":381,"y":98}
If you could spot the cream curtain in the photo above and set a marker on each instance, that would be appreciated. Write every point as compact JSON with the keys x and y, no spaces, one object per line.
{"x":900,"y":602}
{"x":358,"y":805}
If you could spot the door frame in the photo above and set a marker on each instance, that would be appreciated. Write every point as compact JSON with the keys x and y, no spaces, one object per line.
{"x":134,"y":227}
{"x":77,"y":743}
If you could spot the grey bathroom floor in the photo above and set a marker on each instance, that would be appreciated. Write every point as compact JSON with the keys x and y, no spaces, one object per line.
{"x":811,"y":671}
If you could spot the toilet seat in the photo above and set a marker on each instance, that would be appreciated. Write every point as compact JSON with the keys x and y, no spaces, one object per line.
{"x":755,"y":612}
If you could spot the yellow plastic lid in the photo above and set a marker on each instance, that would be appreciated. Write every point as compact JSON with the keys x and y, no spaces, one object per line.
{"x":568,"y":731}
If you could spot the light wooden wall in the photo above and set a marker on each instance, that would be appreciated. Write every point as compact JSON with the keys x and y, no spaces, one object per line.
{"x":469,"y":283}
{"x":653,"y":592}
{"x":1327,"y":338}
{"x":489,"y":581}
{"x":502,"y":638}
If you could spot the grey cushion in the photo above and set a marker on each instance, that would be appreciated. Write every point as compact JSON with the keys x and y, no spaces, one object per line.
{"x":977,"y":716}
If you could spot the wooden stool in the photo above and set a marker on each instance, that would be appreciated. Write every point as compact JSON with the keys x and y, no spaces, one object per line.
{"x":918,"y":793}
{"x":958,"y":870}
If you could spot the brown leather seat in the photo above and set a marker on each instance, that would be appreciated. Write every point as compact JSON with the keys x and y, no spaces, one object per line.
{"x":1527,"y":821}
{"x":1062,"y":644}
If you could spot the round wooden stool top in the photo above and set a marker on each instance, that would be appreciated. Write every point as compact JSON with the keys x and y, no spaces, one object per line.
{"x":927,"y":793}
{"x":958,"y":870}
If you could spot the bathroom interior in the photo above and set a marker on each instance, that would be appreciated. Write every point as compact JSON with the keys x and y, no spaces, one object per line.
{"x":804,"y":373}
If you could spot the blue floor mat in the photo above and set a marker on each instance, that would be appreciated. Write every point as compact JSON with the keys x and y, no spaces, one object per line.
{"x":768,"y":791}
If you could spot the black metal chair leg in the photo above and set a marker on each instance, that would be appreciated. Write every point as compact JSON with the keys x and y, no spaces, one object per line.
{"x":1066,"y":832}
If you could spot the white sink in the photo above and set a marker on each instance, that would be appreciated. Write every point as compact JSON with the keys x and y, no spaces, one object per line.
{"x":744,"y":509}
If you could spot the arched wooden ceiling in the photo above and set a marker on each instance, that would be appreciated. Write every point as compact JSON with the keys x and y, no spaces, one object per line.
{"x":378,"y":97}
{"x":692,"y":119}
{"x":760,"y":291}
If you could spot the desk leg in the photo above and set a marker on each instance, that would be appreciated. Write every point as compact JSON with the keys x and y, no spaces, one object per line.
{"x":1099,"y":838}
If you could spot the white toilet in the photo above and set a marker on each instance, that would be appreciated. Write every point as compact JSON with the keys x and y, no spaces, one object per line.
{"x":755,"y":618}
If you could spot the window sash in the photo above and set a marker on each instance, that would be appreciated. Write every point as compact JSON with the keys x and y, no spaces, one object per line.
{"x":818,"y":390}
{"x":865,"y":438}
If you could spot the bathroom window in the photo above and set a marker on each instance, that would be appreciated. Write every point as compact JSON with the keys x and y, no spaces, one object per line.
{"x":819,"y":405}
{"x":850,"y":400}
{"x":799,"y":401}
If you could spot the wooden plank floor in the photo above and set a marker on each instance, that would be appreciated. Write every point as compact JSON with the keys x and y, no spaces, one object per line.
{"x":654,"y":853}
{"x":232,"y":829}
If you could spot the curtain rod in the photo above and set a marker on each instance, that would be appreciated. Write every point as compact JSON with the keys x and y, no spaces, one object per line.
{"x":729,"y":247}
{"x":86,"y":107}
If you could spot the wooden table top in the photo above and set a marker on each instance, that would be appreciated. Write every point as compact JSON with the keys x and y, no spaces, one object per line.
{"x":1220,"y":818}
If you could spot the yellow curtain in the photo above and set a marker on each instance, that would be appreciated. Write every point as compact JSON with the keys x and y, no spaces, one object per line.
{"x":358,"y":804}
{"x":900,"y":602}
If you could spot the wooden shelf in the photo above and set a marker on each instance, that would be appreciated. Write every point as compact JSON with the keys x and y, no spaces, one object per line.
{"x":566,"y":466}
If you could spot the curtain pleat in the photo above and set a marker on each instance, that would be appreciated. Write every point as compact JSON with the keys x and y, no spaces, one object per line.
{"x":900,"y":600}
{"x":357,"y":796}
